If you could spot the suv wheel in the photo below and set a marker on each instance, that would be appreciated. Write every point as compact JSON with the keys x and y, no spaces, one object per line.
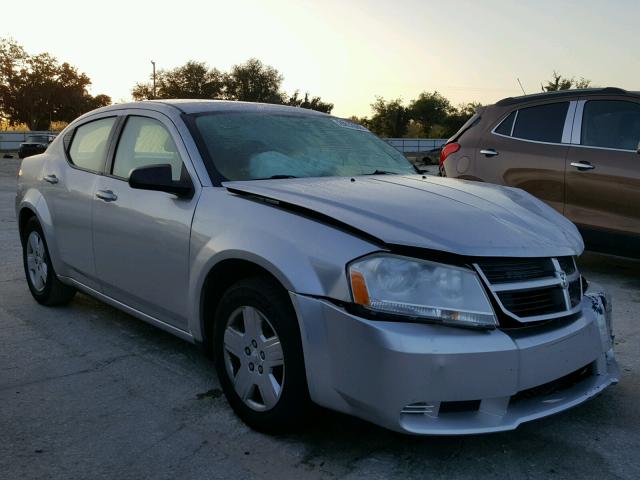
{"x":41,"y":277}
{"x":258,"y":356}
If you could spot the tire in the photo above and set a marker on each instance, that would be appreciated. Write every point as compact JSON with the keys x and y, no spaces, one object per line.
{"x":263,"y":302}
{"x":41,"y":276}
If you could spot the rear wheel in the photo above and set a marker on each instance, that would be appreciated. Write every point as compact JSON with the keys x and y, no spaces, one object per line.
{"x":41,"y":277}
{"x":258,"y":356}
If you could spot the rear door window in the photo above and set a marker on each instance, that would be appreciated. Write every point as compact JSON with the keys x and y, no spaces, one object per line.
{"x":542,"y":123}
{"x":611,"y":124}
{"x":88,"y":149}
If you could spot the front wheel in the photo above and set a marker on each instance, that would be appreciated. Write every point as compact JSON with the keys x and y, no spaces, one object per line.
{"x":258,"y":356}
{"x":38,"y":268}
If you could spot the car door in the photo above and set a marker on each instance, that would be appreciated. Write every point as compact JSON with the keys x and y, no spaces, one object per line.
{"x":527,"y":149}
{"x":69,"y":182}
{"x":603,"y":167}
{"x":141,"y":237}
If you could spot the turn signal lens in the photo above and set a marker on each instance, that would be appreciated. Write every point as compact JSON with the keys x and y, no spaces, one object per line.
{"x":359,"y":288}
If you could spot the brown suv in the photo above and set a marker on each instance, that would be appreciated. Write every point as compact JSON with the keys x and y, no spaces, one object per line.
{"x":576,"y":149}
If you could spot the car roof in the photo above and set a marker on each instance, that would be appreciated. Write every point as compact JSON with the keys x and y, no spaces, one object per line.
{"x":566,"y":93}
{"x":191,"y":106}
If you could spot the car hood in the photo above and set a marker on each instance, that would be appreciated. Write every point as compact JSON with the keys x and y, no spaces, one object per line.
{"x":455,"y":216}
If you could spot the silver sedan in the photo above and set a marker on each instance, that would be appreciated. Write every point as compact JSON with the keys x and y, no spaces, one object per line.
{"x":318,"y":266}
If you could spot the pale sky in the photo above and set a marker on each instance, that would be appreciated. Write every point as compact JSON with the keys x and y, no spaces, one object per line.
{"x":345,"y":51}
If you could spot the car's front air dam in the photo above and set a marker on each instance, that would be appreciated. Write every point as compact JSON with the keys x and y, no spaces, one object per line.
{"x":374,"y":369}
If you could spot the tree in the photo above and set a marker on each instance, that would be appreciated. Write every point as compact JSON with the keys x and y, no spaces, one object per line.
{"x":558,"y":82}
{"x":37,"y":90}
{"x":458,"y":117}
{"x":253,"y":81}
{"x":389,"y":119}
{"x":315,"y":103}
{"x":191,"y":80}
{"x":430,"y":110}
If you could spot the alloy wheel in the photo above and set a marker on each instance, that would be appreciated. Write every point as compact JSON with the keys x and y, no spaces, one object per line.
{"x":37,"y":261}
{"x":253,"y":358}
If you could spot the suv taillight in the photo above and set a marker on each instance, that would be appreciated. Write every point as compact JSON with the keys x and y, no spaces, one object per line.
{"x":447,"y":150}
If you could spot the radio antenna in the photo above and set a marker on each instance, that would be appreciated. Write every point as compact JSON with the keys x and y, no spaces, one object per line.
{"x":521,"y":87}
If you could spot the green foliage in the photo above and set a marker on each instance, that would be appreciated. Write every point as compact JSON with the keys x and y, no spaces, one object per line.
{"x":558,"y":82}
{"x":192,"y":80}
{"x":389,"y":119}
{"x":430,"y":110}
{"x":37,"y":90}
{"x":430,"y":115}
{"x":313,"y":103}
{"x":252,"y":81}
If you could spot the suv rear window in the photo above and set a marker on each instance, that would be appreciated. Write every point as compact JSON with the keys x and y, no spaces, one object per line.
{"x":542,"y":123}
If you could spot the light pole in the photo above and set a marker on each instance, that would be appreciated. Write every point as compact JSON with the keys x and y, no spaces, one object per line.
{"x":154,"y":78}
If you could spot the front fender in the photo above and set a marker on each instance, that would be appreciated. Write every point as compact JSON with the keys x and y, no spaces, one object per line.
{"x":307,"y":257}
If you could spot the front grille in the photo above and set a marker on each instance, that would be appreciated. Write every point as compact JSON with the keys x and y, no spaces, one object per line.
{"x":516,"y":269}
{"x":459,"y":407}
{"x":533,"y":289}
{"x":554,"y":386}
{"x":575,"y":292}
{"x":528,"y":303}
{"x":567,"y":264}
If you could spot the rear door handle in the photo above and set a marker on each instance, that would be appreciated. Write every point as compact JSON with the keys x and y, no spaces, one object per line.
{"x":489,"y":152}
{"x":106,"y":195}
{"x":50,"y":178}
{"x":582,"y":165}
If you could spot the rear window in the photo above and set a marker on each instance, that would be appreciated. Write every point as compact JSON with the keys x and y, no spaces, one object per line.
{"x":611,"y":124}
{"x":542,"y":123}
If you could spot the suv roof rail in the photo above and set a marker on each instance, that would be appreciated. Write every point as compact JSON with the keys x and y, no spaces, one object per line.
{"x":561,"y":93}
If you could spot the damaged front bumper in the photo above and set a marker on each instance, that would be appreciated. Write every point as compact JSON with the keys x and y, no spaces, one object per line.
{"x":429,"y":379}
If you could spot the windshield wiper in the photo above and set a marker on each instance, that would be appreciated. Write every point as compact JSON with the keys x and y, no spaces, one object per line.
{"x":276,"y":177}
{"x":381,"y":172}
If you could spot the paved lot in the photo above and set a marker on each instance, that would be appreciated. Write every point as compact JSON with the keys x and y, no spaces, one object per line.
{"x":89,"y":392}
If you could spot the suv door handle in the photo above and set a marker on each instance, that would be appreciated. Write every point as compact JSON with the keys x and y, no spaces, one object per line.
{"x":582,"y":166}
{"x":489,"y":152}
{"x":50,"y":178}
{"x":106,"y":195}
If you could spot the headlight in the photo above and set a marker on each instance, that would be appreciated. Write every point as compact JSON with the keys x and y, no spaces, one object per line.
{"x":420,"y":289}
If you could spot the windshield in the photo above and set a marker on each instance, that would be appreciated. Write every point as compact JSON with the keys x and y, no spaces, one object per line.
{"x":259,"y":145}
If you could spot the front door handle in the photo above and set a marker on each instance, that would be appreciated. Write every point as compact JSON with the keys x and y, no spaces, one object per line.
{"x":582,"y":166}
{"x":106,"y":195}
{"x":50,"y":178}
{"x":489,"y":152}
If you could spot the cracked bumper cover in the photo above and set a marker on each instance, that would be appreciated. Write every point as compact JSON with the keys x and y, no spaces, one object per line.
{"x":374,"y":369}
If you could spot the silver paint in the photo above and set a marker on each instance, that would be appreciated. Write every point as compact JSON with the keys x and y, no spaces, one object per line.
{"x":149,"y":253}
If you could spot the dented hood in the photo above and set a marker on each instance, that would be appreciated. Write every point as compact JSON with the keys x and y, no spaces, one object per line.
{"x":455,"y":216}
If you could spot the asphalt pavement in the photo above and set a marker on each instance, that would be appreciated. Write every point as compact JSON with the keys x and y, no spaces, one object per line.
{"x":89,"y":392}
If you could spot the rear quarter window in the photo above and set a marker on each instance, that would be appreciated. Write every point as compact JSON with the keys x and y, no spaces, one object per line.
{"x":507,"y":125}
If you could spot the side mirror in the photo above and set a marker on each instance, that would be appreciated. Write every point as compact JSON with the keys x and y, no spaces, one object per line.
{"x":158,"y":178}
